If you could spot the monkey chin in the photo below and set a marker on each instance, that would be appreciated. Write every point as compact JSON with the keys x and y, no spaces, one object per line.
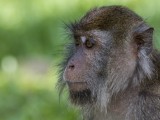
{"x":80,"y":94}
{"x":81,"y":97}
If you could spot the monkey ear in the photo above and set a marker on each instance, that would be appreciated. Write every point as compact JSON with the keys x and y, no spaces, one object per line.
{"x":143,"y":35}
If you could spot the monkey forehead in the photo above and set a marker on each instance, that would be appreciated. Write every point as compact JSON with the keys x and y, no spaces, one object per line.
{"x":101,"y":36}
{"x":108,"y":17}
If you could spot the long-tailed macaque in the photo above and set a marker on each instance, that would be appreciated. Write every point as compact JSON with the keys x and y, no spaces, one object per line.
{"x":111,"y":69}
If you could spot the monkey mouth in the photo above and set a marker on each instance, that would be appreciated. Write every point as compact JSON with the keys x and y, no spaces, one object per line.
{"x":77,"y":86}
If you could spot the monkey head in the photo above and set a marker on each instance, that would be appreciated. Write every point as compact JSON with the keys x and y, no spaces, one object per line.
{"x":109,"y":52}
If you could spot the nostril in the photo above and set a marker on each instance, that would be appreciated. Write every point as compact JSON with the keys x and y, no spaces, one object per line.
{"x":71,"y":66}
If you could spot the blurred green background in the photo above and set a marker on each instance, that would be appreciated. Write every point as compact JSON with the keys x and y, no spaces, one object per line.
{"x":32,"y":40}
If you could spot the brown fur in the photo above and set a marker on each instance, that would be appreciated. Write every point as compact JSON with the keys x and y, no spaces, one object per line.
{"x":118,"y":78}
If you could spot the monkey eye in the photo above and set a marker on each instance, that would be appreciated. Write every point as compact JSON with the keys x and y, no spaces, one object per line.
{"x":89,"y":43}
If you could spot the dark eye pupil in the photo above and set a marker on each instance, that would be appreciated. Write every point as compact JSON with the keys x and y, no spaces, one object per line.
{"x":89,"y":43}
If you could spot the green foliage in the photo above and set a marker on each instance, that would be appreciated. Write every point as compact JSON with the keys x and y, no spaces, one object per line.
{"x":35,"y":26}
{"x":31,"y":100}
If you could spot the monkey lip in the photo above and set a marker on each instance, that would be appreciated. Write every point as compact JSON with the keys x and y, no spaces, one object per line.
{"x":77,"y":86}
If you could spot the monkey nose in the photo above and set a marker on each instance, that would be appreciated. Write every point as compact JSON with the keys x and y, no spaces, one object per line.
{"x":71,"y":66}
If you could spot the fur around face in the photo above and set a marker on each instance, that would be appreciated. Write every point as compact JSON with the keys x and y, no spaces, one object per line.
{"x":124,"y":73}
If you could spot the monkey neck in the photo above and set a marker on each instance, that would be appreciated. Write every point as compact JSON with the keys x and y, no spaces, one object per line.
{"x":120,"y":102}
{"x":118,"y":106}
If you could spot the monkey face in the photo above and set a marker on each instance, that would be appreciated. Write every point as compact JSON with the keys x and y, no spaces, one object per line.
{"x":86,"y":69}
{"x":98,"y":60}
{"x":108,"y":54}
